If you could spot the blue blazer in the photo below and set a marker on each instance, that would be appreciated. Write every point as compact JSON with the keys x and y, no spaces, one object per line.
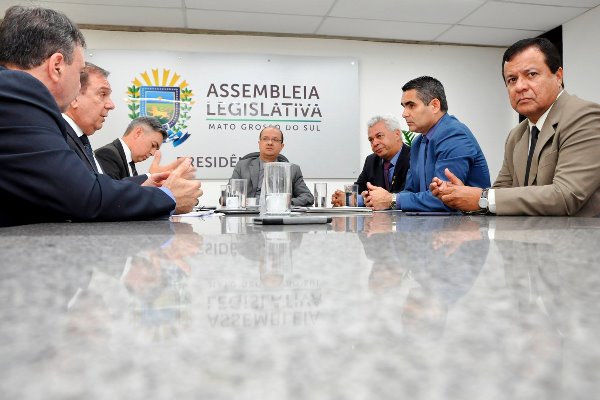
{"x":44,"y":180}
{"x":452,"y":146}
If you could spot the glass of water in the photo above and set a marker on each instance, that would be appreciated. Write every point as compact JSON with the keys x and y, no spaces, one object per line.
{"x":320,"y":195}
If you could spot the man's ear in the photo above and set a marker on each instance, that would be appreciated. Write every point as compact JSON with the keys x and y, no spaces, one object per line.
{"x":138,"y":132}
{"x":559,"y":76}
{"x":56,"y":65}
{"x":435,"y":103}
{"x":74,"y":104}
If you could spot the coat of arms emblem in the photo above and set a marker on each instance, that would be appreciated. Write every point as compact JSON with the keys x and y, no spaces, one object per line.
{"x":164,"y":97}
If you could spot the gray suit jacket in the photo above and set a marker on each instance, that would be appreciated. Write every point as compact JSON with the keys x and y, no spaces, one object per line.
{"x":565,"y":170}
{"x":249,"y":169}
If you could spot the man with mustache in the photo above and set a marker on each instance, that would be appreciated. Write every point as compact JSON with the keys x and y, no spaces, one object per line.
{"x":551,"y":164}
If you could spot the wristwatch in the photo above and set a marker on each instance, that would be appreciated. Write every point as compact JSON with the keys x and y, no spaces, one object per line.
{"x":483,"y":201}
{"x":393,"y":202}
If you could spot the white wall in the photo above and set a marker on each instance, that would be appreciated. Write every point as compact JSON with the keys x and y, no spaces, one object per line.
{"x":471,"y":76}
{"x":581,"y":53}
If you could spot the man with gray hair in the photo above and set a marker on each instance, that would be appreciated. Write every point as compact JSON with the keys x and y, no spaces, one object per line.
{"x":388,"y":165}
{"x":141,"y":140}
{"x":42,"y":180}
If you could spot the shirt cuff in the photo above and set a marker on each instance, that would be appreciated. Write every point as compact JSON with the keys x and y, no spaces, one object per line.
{"x":360,"y":201}
{"x":492,"y":201}
{"x":170,"y":194}
{"x":398,"y":202}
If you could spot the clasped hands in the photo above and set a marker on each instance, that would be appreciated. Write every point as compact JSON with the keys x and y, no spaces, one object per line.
{"x":374,"y":197}
{"x":452,"y":192}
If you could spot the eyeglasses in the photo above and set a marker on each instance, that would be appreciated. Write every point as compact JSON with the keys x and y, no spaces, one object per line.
{"x":266,"y":140}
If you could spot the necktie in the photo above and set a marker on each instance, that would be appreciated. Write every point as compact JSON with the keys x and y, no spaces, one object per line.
{"x":421,"y":164}
{"x":386,"y":174}
{"x":534,"y":137}
{"x":88,"y":150}
{"x":132,"y":165}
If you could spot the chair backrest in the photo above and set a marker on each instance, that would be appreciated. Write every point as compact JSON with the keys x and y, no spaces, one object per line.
{"x":280,"y":158}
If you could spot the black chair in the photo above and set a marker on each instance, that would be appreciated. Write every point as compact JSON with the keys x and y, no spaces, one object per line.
{"x":280,"y":158}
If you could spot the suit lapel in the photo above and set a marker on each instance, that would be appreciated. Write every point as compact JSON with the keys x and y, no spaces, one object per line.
{"x":378,"y":179}
{"x":254,"y":172}
{"x":546,"y":134}
{"x":398,"y":168}
{"x":121,"y":151}
{"x":79,"y":145}
{"x":520,"y":153}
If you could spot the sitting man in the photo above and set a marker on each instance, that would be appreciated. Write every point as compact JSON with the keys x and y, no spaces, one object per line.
{"x":270,"y":144}
{"x":141,"y":140}
{"x":387,"y":166}
{"x":86,"y":114}
{"x":43,"y":180}
{"x":445,"y":142}
{"x":551,"y":161}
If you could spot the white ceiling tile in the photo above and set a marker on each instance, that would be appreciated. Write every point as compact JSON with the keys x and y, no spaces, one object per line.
{"x":129,"y":3}
{"x":423,"y":20}
{"x":252,"y":22}
{"x":381,"y":29}
{"x":564,"y":3}
{"x":521,"y":16}
{"x":304,"y":7}
{"x":432,"y":11}
{"x":121,"y":15}
{"x":485,"y":36}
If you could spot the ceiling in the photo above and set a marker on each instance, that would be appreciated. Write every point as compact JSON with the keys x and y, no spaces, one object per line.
{"x":475,"y":22}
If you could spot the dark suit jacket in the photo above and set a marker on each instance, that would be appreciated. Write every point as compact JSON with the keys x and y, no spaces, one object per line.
{"x":373,"y":171}
{"x":76,"y":145}
{"x":113,"y":161}
{"x":43,"y":180}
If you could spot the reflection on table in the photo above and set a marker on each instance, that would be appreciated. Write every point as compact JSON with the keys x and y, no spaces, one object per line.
{"x":368,"y":306}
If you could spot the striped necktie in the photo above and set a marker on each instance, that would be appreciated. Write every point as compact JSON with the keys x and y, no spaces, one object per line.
{"x":87,"y":146}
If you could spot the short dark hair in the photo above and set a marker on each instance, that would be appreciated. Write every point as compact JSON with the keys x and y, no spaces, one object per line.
{"x":150,"y":122}
{"x":428,"y":88}
{"x":551,"y":54}
{"x":90,"y":68}
{"x":29,"y":36}
{"x":271,"y":126}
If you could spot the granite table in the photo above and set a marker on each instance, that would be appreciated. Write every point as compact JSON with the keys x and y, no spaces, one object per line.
{"x":381,"y":306}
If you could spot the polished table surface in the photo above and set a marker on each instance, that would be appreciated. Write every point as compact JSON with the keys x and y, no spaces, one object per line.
{"x":382,"y":306}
